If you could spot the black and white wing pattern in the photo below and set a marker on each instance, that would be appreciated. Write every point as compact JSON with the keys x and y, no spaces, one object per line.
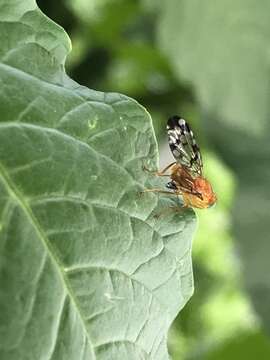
{"x":183,"y":145}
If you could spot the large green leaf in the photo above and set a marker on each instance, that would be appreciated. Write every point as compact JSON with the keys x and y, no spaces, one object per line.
{"x":86,"y":270}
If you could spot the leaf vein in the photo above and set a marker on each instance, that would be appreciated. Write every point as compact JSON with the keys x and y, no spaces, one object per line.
{"x":15,"y":194}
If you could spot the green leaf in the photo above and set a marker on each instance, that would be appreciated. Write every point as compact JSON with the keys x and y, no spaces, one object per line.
{"x":86,"y":270}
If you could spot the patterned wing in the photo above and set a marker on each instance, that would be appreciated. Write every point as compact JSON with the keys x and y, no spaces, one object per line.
{"x":183,"y":145}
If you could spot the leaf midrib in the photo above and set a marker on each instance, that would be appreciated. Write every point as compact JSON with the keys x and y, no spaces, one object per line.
{"x":15,"y":194}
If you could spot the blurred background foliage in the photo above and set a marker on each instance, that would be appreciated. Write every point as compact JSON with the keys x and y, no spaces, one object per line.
{"x":208,"y":61}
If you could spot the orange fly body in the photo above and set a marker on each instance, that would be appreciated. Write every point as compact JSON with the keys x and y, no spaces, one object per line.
{"x":186,"y":172}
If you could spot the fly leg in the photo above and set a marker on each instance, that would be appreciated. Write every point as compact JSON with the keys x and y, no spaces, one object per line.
{"x":161,"y":172}
{"x":160,"y":191}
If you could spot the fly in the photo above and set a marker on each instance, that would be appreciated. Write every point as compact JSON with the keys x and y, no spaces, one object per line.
{"x":185,"y":172}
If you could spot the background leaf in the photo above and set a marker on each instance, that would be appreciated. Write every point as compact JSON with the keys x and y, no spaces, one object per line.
{"x":210,"y":34}
{"x":86,"y":270}
{"x":222,"y":50}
